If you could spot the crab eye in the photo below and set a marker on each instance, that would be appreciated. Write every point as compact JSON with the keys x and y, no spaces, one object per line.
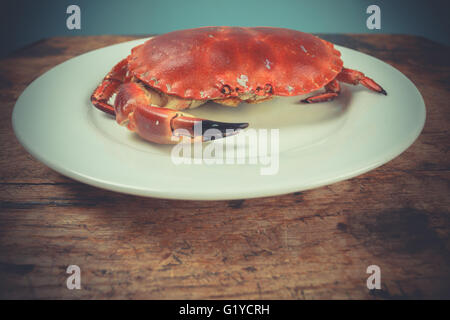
{"x":268,"y":88}
{"x":225,"y":89}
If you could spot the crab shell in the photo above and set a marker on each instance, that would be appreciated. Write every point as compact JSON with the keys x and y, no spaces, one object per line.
{"x":222,"y":62}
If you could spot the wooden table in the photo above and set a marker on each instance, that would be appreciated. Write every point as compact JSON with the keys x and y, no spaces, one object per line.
{"x":305,"y":245}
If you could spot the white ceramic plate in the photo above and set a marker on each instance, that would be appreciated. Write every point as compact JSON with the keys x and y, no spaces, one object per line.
{"x":319,"y":144}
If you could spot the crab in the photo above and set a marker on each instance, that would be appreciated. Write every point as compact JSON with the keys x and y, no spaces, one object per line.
{"x":184,"y":69}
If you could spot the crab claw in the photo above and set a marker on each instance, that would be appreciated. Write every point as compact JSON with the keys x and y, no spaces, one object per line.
{"x":166,"y":126}
{"x":134,"y":109}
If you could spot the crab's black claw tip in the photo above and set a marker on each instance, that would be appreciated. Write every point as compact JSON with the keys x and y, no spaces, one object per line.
{"x":209,"y":129}
{"x":383,"y":92}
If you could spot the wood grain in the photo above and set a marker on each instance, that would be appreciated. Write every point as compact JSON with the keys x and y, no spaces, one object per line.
{"x":306,"y":245}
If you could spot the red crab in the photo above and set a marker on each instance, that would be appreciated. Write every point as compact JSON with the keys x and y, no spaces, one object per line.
{"x":184,"y":69}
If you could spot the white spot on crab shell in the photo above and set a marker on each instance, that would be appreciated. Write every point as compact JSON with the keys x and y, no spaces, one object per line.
{"x":202,"y":94}
{"x":267,"y":63}
{"x":169,"y":87}
{"x":131,"y":102}
{"x":303,"y":48}
{"x":242,"y":80}
{"x":157,"y":122}
{"x":211,"y":36}
{"x":145,"y":74}
{"x":154,"y":79}
{"x":289,"y":89}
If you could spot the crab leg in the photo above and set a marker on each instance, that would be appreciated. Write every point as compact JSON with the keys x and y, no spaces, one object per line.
{"x":350,"y":76}
{"x":109,"y":86}
{"x":143,"y":112}
{"x":356,"y":77}
{"x":332,"y":90}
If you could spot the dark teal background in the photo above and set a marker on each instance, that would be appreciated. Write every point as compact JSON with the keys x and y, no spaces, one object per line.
{"x":24,"y":22}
